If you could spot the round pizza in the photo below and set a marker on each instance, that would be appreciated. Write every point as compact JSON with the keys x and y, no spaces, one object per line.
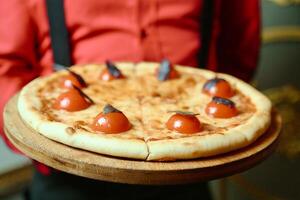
{"x":146,"y":111}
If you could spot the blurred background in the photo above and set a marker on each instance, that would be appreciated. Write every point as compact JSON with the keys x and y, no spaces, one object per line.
{"x":278,"y":77}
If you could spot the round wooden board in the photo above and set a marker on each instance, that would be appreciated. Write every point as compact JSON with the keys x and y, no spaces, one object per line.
{"x":96,"y":166}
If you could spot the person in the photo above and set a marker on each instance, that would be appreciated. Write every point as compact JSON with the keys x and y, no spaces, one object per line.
{"x":218,"y":35}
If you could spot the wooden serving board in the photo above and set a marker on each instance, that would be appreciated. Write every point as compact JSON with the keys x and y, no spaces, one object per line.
{"x":101,"y":167}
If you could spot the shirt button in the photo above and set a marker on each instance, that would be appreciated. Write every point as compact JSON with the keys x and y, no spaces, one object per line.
{"x":143,"y":34}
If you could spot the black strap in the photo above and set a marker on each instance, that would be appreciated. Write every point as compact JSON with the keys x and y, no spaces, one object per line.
{"x":58,"y":33}
{"x":206,"y":30}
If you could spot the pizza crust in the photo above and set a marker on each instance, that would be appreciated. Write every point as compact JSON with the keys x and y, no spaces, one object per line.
{"x":208,"y":145}
{"x":135,"y":143}
{"x":99,"y":143}
{"x":195,"y":147}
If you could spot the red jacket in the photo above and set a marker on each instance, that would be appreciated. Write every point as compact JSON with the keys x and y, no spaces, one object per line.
{"x":129,"y":30}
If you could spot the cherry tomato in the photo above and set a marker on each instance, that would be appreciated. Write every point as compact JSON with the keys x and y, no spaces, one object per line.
{"x":221,"y":108}
{"x":72,"y":79}
{"x":172,"y":75}
{"x":184,"y":123}
{"x":113,"y":122}
{"x":71,"y":101}
{"x":218,"y":87}
{"x":107,"y":76}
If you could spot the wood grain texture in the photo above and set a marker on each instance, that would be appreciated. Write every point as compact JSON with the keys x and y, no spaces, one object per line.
{"x":96,"y":166}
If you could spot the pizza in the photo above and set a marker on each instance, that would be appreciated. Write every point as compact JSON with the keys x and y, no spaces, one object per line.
{"x":145,"y":111}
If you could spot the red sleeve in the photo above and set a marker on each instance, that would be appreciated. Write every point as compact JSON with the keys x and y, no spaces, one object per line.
{"x":239,"y":40}
{"x":17,"y":50}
